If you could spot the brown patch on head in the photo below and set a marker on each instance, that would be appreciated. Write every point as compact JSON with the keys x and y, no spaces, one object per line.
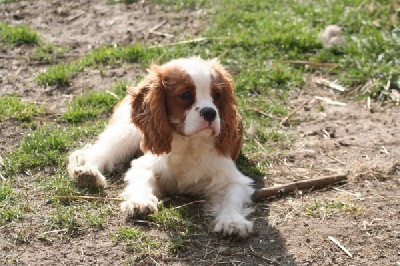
{"x":180,"y":96}
{"x":149,"y":113}
{"x":222,"y":90}
{"x":159,"y":105}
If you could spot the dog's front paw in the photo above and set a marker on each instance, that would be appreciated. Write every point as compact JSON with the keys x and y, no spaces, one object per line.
{"x":235,"y":224}
{"x":88,"y":177}
{"x":141,"y":206}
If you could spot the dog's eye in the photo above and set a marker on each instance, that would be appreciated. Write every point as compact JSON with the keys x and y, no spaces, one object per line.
{"x":186,"y":95}
{"x":217,"y":95}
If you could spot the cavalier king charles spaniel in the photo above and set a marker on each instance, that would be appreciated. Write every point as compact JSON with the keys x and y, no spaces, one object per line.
{"x":183,"y":117}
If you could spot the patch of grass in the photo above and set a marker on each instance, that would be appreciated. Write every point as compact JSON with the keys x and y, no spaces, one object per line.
{"x":59,"y":184}
{"x":184,"y":4}
{"x":13,"y":108}
{"x":136,"y":240}
{"x":91,"y":105}
{"x":64,"y":217}
{"x":99,"y":217}
{"x":17,"y":35}
{"x":264,"y":35}
{"x":47,"y":53}
{"x":10,"y":210}
{"x":47,"y":145}
{"x":77,"y":216}
{"x":174,"y":219}
{"x":323,"y":209}
{"x":61,"y":73}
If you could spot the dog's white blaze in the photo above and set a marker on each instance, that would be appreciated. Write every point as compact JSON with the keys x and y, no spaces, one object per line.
{"x":200,"y":73}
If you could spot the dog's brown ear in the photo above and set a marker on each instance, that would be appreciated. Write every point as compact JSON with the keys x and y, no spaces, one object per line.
{"x":149,"y":113}
{"x":230,"y":138}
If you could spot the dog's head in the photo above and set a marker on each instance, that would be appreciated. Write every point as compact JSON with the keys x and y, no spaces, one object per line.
{"x":187,"y":96}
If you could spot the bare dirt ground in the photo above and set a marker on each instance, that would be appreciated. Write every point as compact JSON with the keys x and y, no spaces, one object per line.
{"x":292,"y":230}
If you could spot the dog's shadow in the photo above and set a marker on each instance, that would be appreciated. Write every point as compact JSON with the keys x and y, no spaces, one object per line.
{"x":265,"y":246}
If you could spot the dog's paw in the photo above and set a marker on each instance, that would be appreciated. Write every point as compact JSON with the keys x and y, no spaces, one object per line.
{"x":233,"y":225}
{"x":77,"y":158}
{"x":88,"y":177}
{"x":139,"y":206}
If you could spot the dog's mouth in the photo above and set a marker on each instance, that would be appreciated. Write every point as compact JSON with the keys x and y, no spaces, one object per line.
{"x":210,"y":127}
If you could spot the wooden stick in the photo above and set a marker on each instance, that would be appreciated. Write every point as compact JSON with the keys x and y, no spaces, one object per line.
{"x":71,"y":197}
{"x":316,"y":183}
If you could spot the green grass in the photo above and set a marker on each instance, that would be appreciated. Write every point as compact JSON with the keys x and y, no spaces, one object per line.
{"x":47,"y":146}
{"x":323,"y":209}
{"x":13,"y":108}
{"x":185,"y":4}
{"x":74,"y":216}
{"x":47,"y":53}
{"x":17,"y":35}
{"x":136,"y":240}
{"x":174,"y":219}
{"x":61,"y":73}
{"x":265,"y":34}
{"x":93,"y":104}
{"x":64,"y":217}
{"x":10,"y":209}
{"x":59,"y":184}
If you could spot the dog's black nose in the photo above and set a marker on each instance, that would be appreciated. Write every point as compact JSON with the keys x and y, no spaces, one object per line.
{"x":208,"y":114}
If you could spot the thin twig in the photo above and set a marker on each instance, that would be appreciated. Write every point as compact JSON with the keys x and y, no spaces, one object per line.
{"x":335,"y":159}
{"x":384,"y":150}
{"x":55,"y":231}
{"x":201,"y":39}
{"x":260,"y":145}
{"x":329,"y":84}
{"x":263,"y":113}
{"x":189,"y":203}
{"x":157,"y":26}
{"x":316,"y":183}
{"x":71,"y":197}
{"x":112,"y":94}
{"x":314,"y":64}
{"x":262,"y":257}
{"x":329,"y":101}
{"x":334,"y":240}
{"x":156,"y":32}
{"x":289,"y":116}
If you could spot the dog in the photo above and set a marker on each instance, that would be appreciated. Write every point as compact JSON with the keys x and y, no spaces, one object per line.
{"x":183,"y":117}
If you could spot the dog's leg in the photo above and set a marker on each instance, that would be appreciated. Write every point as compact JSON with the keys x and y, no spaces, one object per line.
{"x":117,"y":144}
{"x":141,"y":192}
{"x":229,"y":204}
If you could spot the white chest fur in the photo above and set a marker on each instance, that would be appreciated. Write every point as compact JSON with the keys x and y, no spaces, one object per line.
{"x":191,"y":163}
